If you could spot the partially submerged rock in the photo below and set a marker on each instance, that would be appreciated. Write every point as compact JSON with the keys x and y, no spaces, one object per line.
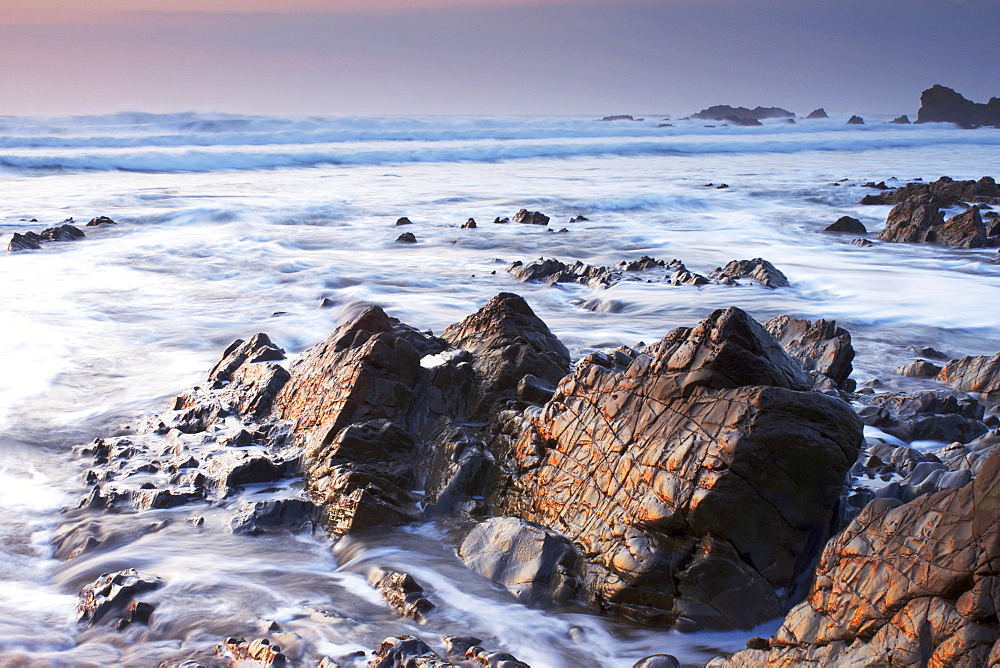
{"x":112,"y":592}
{"x":758,"y":269}
{"x":403,"y":594}
{"x":855,"y":120}
{"x":261,"y":651}
{"x":531,"y":217}
{"x":973,"y":374}
{"x":817,"y":114}
{"x":846,"y":224}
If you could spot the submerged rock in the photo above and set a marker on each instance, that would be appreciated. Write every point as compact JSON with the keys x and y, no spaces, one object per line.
{"x":404,"y":596}
{"x":901,"y":120}
{"x":406,"y":238}
{"x":100,"y":220}
{"x":260,"y":651}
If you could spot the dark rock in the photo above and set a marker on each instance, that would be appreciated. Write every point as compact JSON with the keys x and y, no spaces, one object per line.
{"x":818,"y":346}
{"x":531,"y":217}
{"x":722,"y":186}
{"x":260,"y":650}
{"x":847,"y":224}
{"x":112,"y":592}
{"x":939,"y":104}
{"x":257,"y":517}
{"x":915,"y":220}
{"x":100,"y":220}
{"x":941,"y":415}
{"x":578,"y":219}
{"x":137,"y":612}
{"x":658,"y":661}
{"x":470,"y":224}
{"x":724,"y":112}
{"x":22,"y":242}
{"x":404,"y":596}
{"x":62,"y":233}
{"x":817,"y":113}
{"x":743,"y":122}
{"x":877,"y":186}
{"x":855,"y":120}
{"x":944,"y":192}
{"x":738,"y":475}
{"x":901,"y":120}
{"x":973,"y":374}
{"x":863,"y":243}
{"x":904,"y":584}
{"x":501,"y":221}
{"x":919,"y":369}
{"x":621,"y":117}
{"x":406,"y":238}
{"x":758,"y":269}
{"x":406,"y":651}
{"x":534,"y":563}
{"x":403,"y":221}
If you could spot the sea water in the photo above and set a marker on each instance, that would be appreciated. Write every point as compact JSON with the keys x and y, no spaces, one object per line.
{"x":230,"y":225}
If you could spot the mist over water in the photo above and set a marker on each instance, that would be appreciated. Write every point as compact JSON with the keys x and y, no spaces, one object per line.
{"x":232,"y":225}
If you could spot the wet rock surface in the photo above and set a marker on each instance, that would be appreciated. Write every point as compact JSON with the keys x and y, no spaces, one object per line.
{"x":846,"y":224}
{"x":821,"y":348}
{"x":973,"y":374}
{"x":943,"y":192}
{"x":757,"y":269}
{"x":112,"y":592}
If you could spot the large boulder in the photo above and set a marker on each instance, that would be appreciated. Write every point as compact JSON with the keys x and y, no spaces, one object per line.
{"x":939,"y":104}
{"x":914,"y":220}
{"x":973,"y":374}
{"x":697,"y":478}
{"x":910,"y":584}
{"x":757,"y":269}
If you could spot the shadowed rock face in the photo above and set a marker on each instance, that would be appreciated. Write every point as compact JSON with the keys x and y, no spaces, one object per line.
{"x":939,"y":104}
{"x":911,"y":584}
{"x":973,"y":374}
{"x":943,"y":192}
{"x":823,"y":349}
{"x":694,"y":477}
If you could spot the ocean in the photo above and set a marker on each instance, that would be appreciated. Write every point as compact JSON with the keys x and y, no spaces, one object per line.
{"x":229,"y":225}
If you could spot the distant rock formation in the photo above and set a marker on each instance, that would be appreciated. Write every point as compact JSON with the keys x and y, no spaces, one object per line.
{"x":855,"y":120}
{"x":621,"y":117}
{"x":900,"y":120}
{"x":817,"y":113}
{"x":723,"y":112}
{"x":939,"y":104}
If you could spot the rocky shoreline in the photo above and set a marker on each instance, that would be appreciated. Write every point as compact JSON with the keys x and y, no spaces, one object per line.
{"x":695,"y":483}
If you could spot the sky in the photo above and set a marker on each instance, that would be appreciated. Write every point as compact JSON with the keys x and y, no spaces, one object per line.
{"x":403,"y":57}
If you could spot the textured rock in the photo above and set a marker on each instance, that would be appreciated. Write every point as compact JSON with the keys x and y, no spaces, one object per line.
{"x":112,"y":592}
{"x":757,"y":269}
{"x":404,"y":596}
{"x":939,"y":104}
{"x":915,"y":220}
{"x":910,"y":584}
{"x":100,"y":220}
{"x":257,"y":517}
{"x":23,"y":242}
{"x":405,"y":651}
{"x":470,"y":224}
{"x":696,"y":477}
{"x":260,"y":651}
{"x":846,"y":224}
{"x":973,"y":374}
{"x":943,"y":192}
{"x":818,"y":346}
{"x":534,"y":563}
{"x":531,"y":217}
{"x":919,"y":369}
{"x":940,"y":415}
{"x":62,"y":233}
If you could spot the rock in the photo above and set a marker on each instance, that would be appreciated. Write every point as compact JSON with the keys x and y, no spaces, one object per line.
{"x":501,"y":221}
{"x":112,"y":592}
{"x":697,"y":477}
{"x":406,"y":238}
{"x":817,"y":113}
{"x":973,"y":374}
{"x":944,"y":192}
{"x":658,"y":661}
{"x":725,"y":112}
{"x":507,"y":342}
{"x":621,"y":117}
{"x":404,"y":596}
{"x":757,"y":269}
{"x":919,"y":369}
{"x":259,"y":348}
{"x":23,"y":242}
{"x":939,"y":415}
{"x":846,"y":224}
{"x":855,"y":120}
{"x":260,"y":651}
{"x":62,"y":233}
{"x":403,"y":221}
{"x":818,"y":346}
{"x":137,"y":612}
{"x":534,"y":563}
{"x":723,"y":186}
{"x":531,"y":217}
{"x":100,"y":220}
{"x":470,"y":224}
{"x":915,"y":220}
{"x":743,"y":122}
{"x":579,"y":219}
{"x":939,"y":104}
{"x":863,"y":243}
{"x":904,"y":584}
{"x":257,"y":517}
{"x":901,"y":120}
{"x":404,"y":651}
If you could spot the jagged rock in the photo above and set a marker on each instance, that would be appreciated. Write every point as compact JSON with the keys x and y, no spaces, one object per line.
{"x":531,"y":217}
{"x":817,"y":113}
{"x":62,"y":233}
{"x":863,"y":243}
{"x":662,"y":660}
{"x":818,"y":346}
{"x":846,"y":224}
{"x":621,"y":117}
{"x":23,"y":242}
{"x":534,"y":563}
{"x":507,"y":342}
{"x":901,"y":120}
{"x":259,"y":348}
{"x":100,"y":220}
{"x":406,"y":651}
{"x":939,"y":104}
{"x":722,"y":112}
{"x":855,"y":120}
{"x":943,"y":193}
{"x":919,"y":369}
{"x":757,"y":269}
{"x":913,"y":221}
{"x":470,"y":224}
{"x":939,"y":415}
{"x":973,"y":374}
{"x":696,"y":477}
{"x":910,"y":584}
{"x":259,"y":517}
{"x":137,"y":612}
{"x":406,"y":238}
{"x":743,"y":122}
{"x":260,"y":651}
{"x":401,"y":592}
{"x":501,"y":221}
{"x":111,"y":592}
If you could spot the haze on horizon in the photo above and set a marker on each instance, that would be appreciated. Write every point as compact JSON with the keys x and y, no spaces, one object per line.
{"x":403,"y":57}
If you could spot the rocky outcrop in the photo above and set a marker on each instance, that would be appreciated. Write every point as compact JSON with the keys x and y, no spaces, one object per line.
{"x":817,"y":114}
{"x":900,"y":120}
{"x":973,"y":374}
{"x":401,"y":592}
{"x":943,"y":193}
{"x":911,"y":584}
{"x":113,"y":592}
{"x":919,"y":219}
{"x":940,"y":415}
{"x":534,"y":563}
{"x":855,"y":120}
{"x":531,"y":217}
{"x":695,"y":477}
{"x":33,"y":240}
{"x":846,"y":224}
{"x":260,"y":651}
{"x":406,"y":238}
{"x":757,"y":269}
{"x":821,"y":348}
{"x":939,"y":104}
{"x":722,"y":112}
